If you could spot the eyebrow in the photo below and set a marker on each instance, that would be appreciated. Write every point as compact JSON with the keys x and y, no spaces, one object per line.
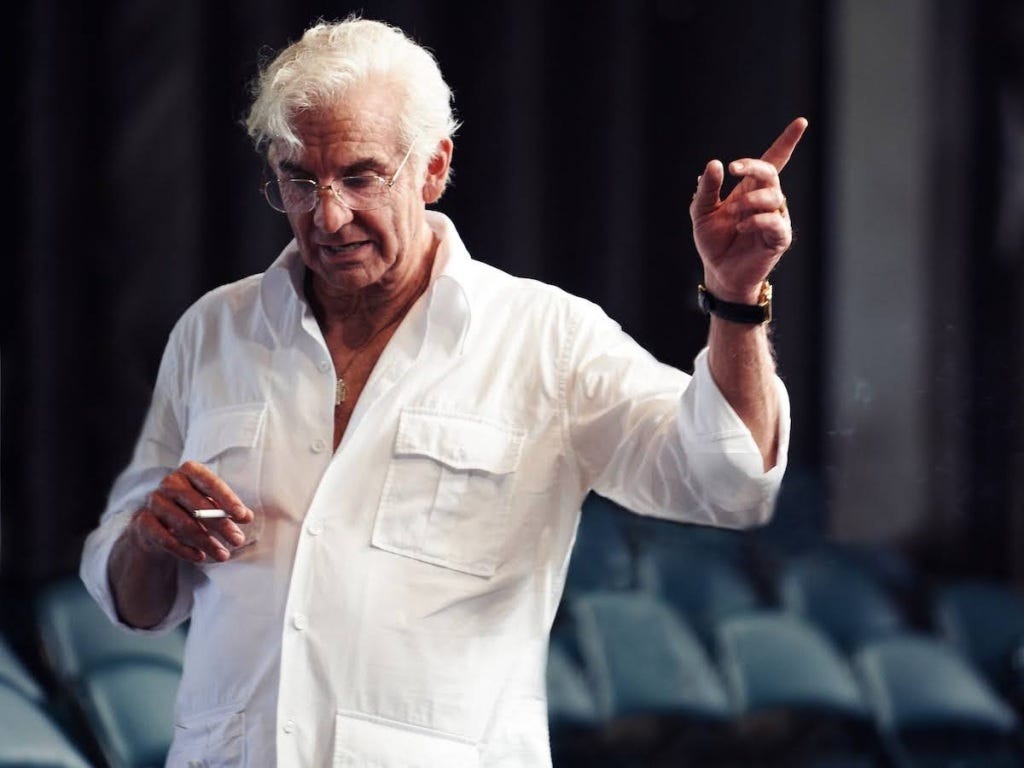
{"x":360,"y":166}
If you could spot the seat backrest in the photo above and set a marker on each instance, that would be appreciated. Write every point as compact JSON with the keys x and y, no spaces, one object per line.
{"x":703,"y":585}
{"x":76,"y":635}
{"x":916,"y":681}
{"x":30,"y":737}
{"x":642,"y":659}
{"x":16,"y":674}
{"x":839,"y":597}
{"x":570,"y":701}
{"x":984,"y":620}
{"x":602,"y":558}
{"x":929,"y":703}
{"x":129,"y":705}
{"x":774,"y":660}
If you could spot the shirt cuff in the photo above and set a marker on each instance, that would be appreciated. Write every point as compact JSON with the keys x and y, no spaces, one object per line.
{"x":724,"y":450}
{"x":93,"y":572}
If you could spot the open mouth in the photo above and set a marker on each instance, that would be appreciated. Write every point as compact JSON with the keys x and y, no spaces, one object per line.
{"x":346,"y":248}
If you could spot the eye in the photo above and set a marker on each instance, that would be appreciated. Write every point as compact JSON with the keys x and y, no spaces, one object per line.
{"x":366,"y":183}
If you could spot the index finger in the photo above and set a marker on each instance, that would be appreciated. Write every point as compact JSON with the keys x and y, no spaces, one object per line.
{"x":219,"y":492}
{"x":781,"y":150}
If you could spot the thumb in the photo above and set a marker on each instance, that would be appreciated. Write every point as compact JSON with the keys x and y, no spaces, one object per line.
{"x":709,"y":187}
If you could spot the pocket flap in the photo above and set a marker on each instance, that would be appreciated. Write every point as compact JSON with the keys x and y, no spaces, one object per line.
{"x":361,"y":740}
{"x":213,"y":739}
{"x":458,"y":441}
{"x":214,"y":431}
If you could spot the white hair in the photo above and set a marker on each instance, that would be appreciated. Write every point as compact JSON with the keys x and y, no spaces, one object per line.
{"x":332,"y":57}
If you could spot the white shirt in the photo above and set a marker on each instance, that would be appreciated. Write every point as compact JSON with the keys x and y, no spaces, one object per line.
{"x":395,"y":606}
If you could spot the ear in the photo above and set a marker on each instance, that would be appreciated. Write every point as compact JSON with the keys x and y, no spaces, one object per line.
{"x":436,"y":178}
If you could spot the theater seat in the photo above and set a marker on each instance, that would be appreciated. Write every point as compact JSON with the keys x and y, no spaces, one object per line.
{"x":76,"y":635}
{"x":702,"y":584}
{"x":654,"y":684}
{"x":794,"y":694}
{"x":984,"y":620}
{"x":130,"y":708}
{"x":573,"y":720}
{"x":120,"y":685}
{"x":601,"y":556}
{"x":933,"y":708}
{"x":826,"y":587}
{"x":14,"y":673}
{"x":29,"y":737}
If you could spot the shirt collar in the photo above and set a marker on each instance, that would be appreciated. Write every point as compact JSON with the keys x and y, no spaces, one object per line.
{"x":449,"y":296}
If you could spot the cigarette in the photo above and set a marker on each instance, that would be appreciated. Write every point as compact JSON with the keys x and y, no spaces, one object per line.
{"x":208,"y":514}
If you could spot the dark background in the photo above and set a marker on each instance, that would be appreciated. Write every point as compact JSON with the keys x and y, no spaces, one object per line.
{"x":132,"y":189}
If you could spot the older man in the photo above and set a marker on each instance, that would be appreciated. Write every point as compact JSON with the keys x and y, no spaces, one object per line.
{"x":361,"y":472}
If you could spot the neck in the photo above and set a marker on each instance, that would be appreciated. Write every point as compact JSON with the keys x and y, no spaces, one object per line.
{"x":355,"y":319}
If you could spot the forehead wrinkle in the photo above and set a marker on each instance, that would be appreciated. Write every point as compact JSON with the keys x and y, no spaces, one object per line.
{"x":346,"y":139}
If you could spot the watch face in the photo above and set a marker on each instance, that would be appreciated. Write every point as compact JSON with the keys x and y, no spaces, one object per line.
{"x":702,"y":299}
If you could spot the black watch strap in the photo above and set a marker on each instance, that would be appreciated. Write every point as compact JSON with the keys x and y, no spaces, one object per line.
{"x":751,"y":314}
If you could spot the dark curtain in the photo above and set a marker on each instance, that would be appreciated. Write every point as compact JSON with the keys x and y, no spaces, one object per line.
{"x":994,"y":540}
{"x":585,"y":125}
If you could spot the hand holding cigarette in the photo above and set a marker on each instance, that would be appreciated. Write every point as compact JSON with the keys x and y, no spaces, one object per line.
{"x":193,"y":515}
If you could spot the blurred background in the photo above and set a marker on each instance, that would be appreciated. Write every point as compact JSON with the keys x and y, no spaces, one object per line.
{"x":898,"y":310}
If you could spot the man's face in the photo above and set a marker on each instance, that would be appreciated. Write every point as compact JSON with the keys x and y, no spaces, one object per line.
{"x":348,"y":251}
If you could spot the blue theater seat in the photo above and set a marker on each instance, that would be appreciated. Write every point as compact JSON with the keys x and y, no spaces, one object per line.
{"x":654,"y":685}
{"x":841,"y":597}
{"x":701,"y":583}
{"x":129,"y":706}
{"x":794,"y":694}
{"x":574,"y":723}
{"x":121,"y":685}
{"x":77,"y":636}
{"x":30,"y":738}
{"x":933,"y":709}
{"x":984,"y":620}
{"x":14,"y":673}
{"x":602,"y":558}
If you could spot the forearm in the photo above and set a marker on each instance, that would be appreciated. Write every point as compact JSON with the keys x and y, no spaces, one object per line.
{"x":143,"y":583}
{"x":743,"y":366}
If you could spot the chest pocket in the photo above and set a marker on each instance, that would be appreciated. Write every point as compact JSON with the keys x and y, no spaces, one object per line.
{"x":448,"y":491}
{"x":227,"y":440}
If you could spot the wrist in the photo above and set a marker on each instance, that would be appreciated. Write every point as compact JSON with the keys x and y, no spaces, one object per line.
{"x":750,"y":312}
{"x":735,"y":294}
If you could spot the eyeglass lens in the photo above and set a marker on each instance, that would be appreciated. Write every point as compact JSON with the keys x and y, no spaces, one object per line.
{"x":360,"y":193}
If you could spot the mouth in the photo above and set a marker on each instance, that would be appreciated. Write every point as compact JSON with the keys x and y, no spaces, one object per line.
{"x":346,"y":248}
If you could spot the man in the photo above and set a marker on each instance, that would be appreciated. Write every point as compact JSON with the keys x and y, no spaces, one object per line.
{"x":388,"y":602}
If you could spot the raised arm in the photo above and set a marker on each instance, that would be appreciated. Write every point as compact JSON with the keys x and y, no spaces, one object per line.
{"x":740,"y":240}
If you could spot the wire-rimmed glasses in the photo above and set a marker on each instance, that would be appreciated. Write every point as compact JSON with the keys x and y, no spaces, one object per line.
{"x":365,"y":192}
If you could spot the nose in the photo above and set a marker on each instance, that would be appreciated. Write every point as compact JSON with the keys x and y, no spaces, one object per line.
{"x":330,"y":214}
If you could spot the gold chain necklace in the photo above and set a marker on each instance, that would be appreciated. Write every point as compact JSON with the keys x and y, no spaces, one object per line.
{"x":340,"y":387}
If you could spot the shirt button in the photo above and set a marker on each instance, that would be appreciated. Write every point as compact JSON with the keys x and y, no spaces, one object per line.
{"x":318,"y":446}
{"x":289,"y":726}
{"x":315,"y":528}
{"x":299,"y":621}
{"x":324,"y":366}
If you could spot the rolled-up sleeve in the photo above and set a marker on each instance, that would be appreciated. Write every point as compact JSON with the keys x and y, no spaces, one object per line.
{"x":156,"y":453}
{"x":723,"y":453}
{"x":662,"y":442}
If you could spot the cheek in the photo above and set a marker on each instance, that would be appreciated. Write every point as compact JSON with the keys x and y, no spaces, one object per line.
{"x":300,"y":225}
